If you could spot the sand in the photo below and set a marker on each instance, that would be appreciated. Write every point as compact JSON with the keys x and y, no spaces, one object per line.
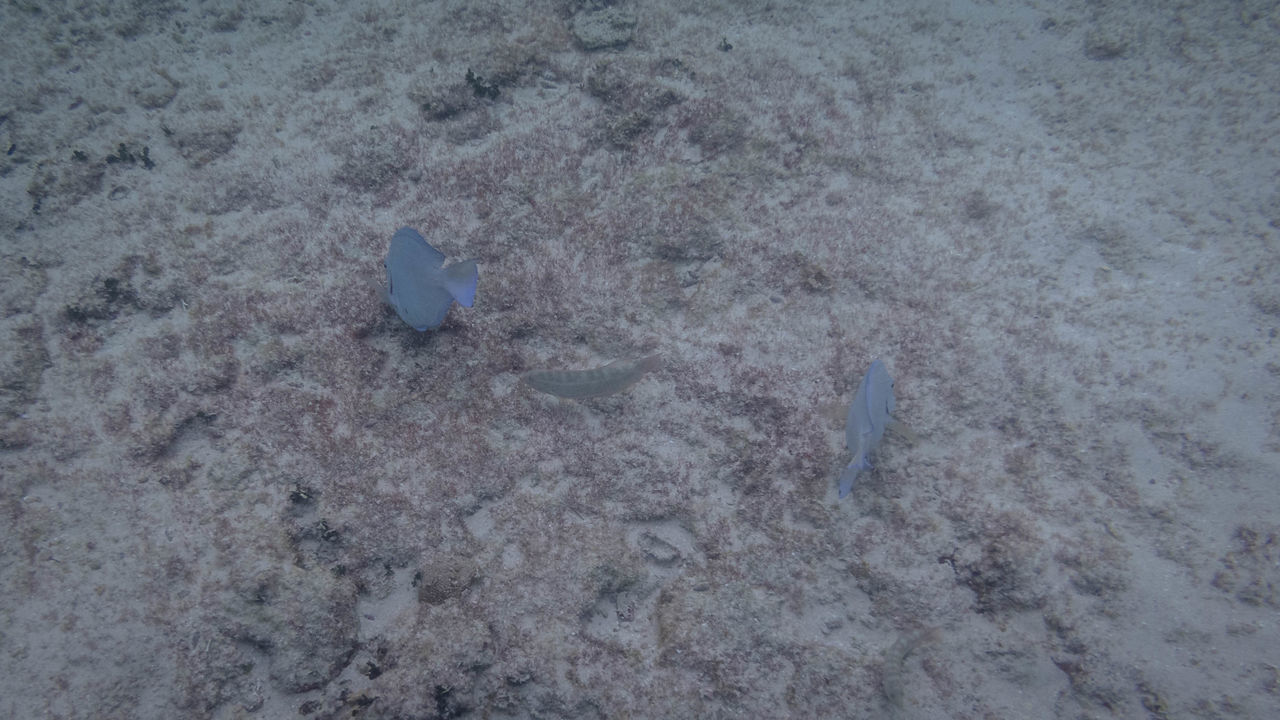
{"x":236,"y":485}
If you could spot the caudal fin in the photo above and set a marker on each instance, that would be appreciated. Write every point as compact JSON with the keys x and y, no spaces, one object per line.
{"x":460,"y":279}
{"x":851,"y":473}
{"x":847,"y":478}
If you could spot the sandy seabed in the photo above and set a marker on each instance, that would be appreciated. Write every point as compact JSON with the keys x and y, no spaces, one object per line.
{"x":236,"y":485}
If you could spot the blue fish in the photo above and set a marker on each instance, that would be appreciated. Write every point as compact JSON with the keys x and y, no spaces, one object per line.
{"x":868,"y":418}
{"x":419,"y":287}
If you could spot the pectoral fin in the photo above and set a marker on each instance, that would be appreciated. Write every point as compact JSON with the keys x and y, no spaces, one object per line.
{"x":904,"y":431}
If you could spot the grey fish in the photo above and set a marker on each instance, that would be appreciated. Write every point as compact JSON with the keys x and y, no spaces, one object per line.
{"x":419,"y":287}
{"x":869,"y":415}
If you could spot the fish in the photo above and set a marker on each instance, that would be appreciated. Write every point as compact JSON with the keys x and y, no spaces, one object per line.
{"x":604,"y":380}
{"x":869,"y":415}
{"x":419,"y":287}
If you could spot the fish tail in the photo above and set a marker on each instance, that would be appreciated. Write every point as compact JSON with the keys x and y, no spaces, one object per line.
{"x":460,"y":280}
{"x":847,"y":479}
{"x":851,"y":474}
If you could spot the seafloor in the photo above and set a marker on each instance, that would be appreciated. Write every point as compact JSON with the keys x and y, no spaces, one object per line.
{"x":236,"y":485}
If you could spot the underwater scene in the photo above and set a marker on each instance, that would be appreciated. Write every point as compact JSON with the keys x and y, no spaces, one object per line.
{"x":586,"y":359}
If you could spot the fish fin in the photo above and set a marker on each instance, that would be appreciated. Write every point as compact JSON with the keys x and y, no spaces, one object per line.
{"x":433,"y":305}
{"x":409,"y":244}
{"x":650,"y":364}
{"x":461,"y":280}
{"x":904,"y":431}
{"x":851,"y":473}
{"x":847,"y":479}
{"x":379,"y":288}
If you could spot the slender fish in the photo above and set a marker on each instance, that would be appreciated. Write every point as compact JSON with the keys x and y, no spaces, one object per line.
{"x":605,"y":380}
